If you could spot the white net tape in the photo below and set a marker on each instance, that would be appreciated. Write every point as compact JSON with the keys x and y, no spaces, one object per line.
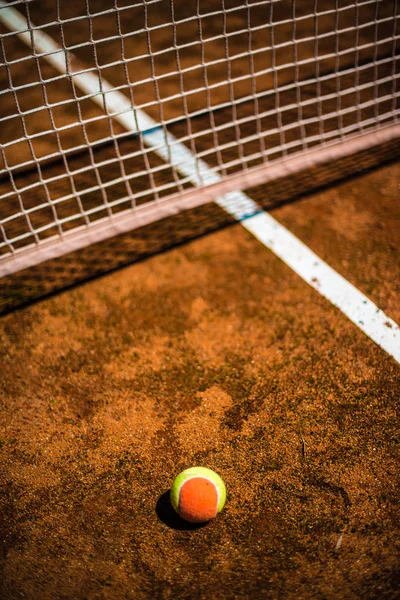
{"x":110,"y":109}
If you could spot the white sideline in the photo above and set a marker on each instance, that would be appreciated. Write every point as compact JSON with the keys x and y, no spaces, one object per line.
{"x":318,"y":274}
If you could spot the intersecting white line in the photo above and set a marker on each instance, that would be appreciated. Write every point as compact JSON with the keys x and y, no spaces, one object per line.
{"x":303,"y":261}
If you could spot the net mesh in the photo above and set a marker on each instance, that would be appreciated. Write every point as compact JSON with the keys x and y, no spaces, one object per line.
{"x":110,"y":108}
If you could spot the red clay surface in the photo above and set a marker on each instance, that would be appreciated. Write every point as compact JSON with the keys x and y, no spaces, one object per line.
{"x":212,"y":354}
{"x":355,"y":226}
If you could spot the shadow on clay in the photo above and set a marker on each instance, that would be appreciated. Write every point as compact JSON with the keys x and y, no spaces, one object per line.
{"x":169,"y":517}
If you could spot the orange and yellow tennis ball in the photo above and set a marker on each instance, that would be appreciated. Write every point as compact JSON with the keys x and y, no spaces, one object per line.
{"x":198,"y":494}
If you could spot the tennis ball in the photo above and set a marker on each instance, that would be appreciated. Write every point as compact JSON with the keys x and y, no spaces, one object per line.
{"x":198,"y":494}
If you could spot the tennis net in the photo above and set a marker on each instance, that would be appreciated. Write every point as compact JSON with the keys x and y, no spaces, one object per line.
{"x":122,"y":113}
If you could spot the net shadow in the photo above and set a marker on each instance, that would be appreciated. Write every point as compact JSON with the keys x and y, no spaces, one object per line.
{"x":30,"y":285}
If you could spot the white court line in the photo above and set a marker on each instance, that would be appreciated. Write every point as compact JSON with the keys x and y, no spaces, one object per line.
{"x":318,"y":274}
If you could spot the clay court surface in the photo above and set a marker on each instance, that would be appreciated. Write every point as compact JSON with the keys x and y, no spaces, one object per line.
{"x":211,"y":353}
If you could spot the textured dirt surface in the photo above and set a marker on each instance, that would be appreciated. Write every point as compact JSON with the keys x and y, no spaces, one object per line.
{"x":355,"y":227}
{"x":211,"y":354}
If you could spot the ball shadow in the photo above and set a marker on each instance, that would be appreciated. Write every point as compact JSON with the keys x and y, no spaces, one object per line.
{"x":169,"y":517}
